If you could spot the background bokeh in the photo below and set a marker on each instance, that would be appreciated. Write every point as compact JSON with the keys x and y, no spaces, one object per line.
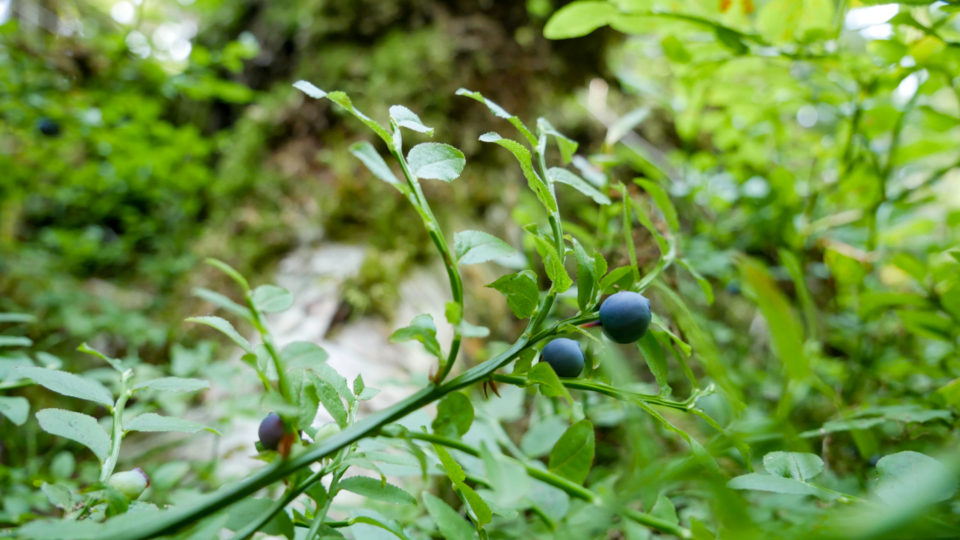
{"x":809,"y":148}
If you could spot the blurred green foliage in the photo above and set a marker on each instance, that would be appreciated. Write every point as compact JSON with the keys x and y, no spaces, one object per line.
{"x":808,"y":147}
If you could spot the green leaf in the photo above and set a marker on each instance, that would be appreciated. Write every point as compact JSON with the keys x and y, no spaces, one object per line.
{"x":579,"y":19}
{"x":785,"y":328}
{"x":457,"y":476}
{"x":797,"y":465}
{"x":451,"y":524}
{"x":656,"y":361}
{"x":114,"y":363}
{"x":15,"y":341}
{"x":553,"y":264}
{"x":174,"y":384}
{"x":777,"y":484}
{"x":384,"y":523}
{"x":230,"y":272}
{"x":473,"y":247}
{"x":550,"y":385}
{"x":245,"y":511}
{"x":16,"y":409}
{"x":334,"y":379}
{"x":572,"y":456}
{"x":665,"y":510}
{"x":366,"y":153}
{"x":226,"y":328}
{"x":913,"y":478}
{"x":17,"y":318}
{"x":777,"y":19}
{"x":702,"y":281}
{"x":222,"y":301}
{"x":453,"y":469}
{"x":344,"y":101}
{"x":625,"y":124}
{"x":622,"y":276}
{"x":843,"y":425}
{"x":564,"y":176}
{"x":372,"y":488}
{"x":436,"y":161}
{"x":628,"y":232}
{"x":330,"y":399}
{"x":674,"y":49}
{"x":521,"y":292}
{"x":454,"y":415}
{"x":663,"y":202}
{"x":501,"y":113}
{"x":309,"y":89}
{"x":667,"y":252}
{"x":526,"y":165}
{"x":468,"y":330}
{"x":61,"y":530}
{"x":76,"y":427}
{"x":566,"y":145}
{"x":404,"y":117}
{"x":272,"y":299}
{"x":58,"y":495}
{"x":524,"y":361}
{"x":152,"y":422}
{"x":588,"y":285}
{"x":68,"y":384}
{"x":308,"y":403}
{"x":303,"y":354}
{"x":423,"y":330}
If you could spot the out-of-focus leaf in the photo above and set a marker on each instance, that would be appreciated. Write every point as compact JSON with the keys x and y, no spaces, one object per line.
{"x":521,"y":292}
{"x":914,"y":478}
{"x":76,"y":427}
{"x":572,"y":456}
{"x":372,"y":488}
{"x":423,"y":330}
{"x":68,"y":384}
{"x":579,"y":19}
{"x":155,"y":422}
{"x":473,"y":247}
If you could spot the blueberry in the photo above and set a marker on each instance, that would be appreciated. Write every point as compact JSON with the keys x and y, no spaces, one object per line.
{"x":564,"y":356}
{"x":130,"y":483}
{"x":48,"y":127}
{"x":271,"y":431}
{"x":625,"y":316}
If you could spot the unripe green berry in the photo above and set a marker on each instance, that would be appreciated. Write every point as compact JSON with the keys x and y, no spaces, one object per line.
{"x":130,"y":483}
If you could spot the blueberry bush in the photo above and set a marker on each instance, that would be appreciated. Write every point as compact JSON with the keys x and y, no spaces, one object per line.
{"x":736,"y":317}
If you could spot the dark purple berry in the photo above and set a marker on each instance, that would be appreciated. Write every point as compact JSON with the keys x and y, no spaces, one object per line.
{"x":271,"y":431}
{"x":625,"y":316}
{"x":564,"y":356}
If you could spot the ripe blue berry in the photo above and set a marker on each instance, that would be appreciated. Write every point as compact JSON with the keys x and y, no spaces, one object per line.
{"x":625,"y":316}
{"x":564,"y":356}
{"x":48,"y":127}
{"x":271,"y":431}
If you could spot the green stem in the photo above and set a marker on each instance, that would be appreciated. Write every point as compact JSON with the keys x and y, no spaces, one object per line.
{"x":117,"y":433}
{"x":322,"y":512}
{"x":280,"y":504}
{"x":261,"y":325}
{"x":433,"y":228}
